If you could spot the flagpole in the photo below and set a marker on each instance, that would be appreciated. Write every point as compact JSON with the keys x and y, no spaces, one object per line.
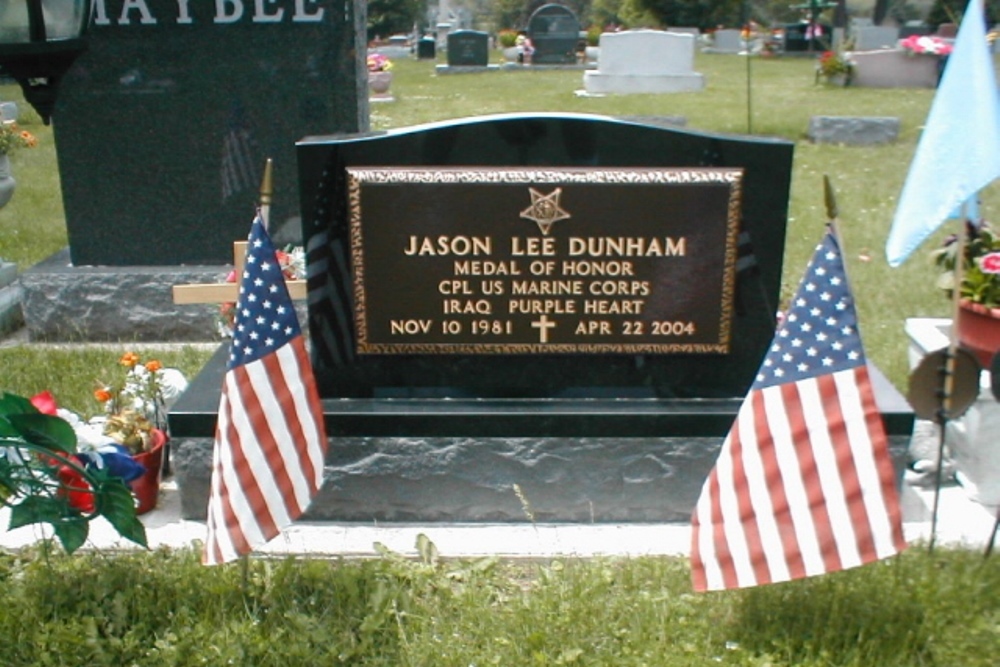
{"x":948,"y":375}
{"x":266,"y":190}
{"x":832,"y":213}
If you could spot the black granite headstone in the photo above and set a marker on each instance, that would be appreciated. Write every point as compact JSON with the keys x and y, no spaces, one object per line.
{"x":426,"y":48}
{"x":555,"y":33}
{"x":165,"y":123}
{"x":582,"y":142}
{"x":797,"y":37}
{"x":468,"y":48}
{"x":465,"y":431}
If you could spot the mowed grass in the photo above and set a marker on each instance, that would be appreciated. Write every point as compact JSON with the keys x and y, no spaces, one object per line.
{"x":765,"y":96}
{"x":163,"y":608}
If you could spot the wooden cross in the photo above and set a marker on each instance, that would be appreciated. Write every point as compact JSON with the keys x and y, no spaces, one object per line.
{"x":228,"y":292}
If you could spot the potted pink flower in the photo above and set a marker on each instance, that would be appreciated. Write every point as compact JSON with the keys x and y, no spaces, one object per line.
{"x":379,"y":74}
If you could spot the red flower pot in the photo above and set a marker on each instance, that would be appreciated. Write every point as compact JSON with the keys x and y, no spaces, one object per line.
{"x":979,"y":330}
{"x":146,"y":489}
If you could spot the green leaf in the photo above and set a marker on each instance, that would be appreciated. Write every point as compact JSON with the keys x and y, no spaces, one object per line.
{"x":38,"y":509}
{"x":118,"y":506}
{"x":72,"y":533}
{"x":45,"y":431}
{"x":12,"y":404}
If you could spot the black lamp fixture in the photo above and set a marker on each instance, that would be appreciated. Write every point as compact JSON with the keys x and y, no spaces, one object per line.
{"x":39,"y":40}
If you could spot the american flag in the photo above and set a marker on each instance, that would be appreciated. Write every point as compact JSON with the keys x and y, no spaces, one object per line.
{"x":803,"y":484}
{"x":270,"y":441}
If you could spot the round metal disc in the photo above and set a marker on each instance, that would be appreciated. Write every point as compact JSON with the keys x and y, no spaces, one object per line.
{"x":927,"y":385}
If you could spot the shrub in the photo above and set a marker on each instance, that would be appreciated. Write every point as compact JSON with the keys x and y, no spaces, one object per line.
{"x":507,"y":38}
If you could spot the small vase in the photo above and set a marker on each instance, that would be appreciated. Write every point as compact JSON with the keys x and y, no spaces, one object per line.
{"x":379,"y":82}
{"x":840,"y":80}
{"x":978,"y":330}
{"x":146,"y":489}
{"x":7,"y":181}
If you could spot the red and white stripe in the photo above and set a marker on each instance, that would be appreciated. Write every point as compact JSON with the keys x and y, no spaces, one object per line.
{"x":803,"y":485}
{"x":270,"y":446}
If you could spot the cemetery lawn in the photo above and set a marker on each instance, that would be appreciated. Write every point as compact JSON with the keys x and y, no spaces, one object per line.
{"x":164,"y":608}
{"x":783,"y":96}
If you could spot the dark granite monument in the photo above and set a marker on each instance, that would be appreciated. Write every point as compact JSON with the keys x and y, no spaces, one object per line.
{"x":555,"y":31}
{"x":164,"y":125}
{"x":163,"y":129}
{"x":572,"y":305}
{"x":468,"y":48}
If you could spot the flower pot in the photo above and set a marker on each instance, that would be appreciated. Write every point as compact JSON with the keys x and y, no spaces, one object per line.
{"x":146,"y":489}
{"x":379,"y":82}
{"x":978,"y":330}
{"x":7,"y":182}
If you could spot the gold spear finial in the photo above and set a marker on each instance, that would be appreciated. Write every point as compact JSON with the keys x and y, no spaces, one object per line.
{"x":266,"y":190}
{"x":831,"y":199}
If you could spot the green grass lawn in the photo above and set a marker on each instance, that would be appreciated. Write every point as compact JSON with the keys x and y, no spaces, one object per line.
{"x":770,"y":97}
{"x":164,"y":608}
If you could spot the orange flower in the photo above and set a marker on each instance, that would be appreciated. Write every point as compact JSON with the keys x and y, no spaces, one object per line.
{"x":29,"y":139}
{"x":153,"y":365}
{"x":102,"y":395}
{"x":129,"y":359}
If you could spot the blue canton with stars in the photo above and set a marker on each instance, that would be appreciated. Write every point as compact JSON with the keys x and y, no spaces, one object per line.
{"x":820,"y":333}
{"x":265,"y":317}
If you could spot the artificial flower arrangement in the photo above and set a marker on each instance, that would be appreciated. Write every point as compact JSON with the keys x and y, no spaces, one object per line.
{"x":920,"y":44}
{"x":293,"y":267}
{"x":832,"y":63}
{"x":59,"y":469}
{"x":981,"y":270}
{"x":13,"y":138}
{"x":378,"y":62}
{"x":47,"y":475}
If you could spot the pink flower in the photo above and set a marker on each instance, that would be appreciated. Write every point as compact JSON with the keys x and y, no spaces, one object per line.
{"x":990,"y":263}
{"x":926,"y":44}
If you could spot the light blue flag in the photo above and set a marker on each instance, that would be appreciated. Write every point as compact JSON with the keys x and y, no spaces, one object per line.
{"x":958,"y":151}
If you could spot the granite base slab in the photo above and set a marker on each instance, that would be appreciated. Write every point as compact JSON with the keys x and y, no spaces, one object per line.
{"x":577,"y":480}
{"x":65,"y":303}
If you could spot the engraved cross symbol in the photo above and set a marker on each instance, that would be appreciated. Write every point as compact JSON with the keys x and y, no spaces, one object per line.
{"x":543,"y":325}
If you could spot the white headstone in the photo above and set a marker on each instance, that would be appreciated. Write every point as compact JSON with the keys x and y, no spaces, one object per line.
{"x":727,"y":40}
{"x":875,"y":37}
{"x":644,"y":61}
{"x":8,"y":111}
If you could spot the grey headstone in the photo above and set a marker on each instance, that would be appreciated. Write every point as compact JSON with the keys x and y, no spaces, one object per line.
{"x":876,"y":37}
{"x":555,"y":32}
{"x":853,"y":130}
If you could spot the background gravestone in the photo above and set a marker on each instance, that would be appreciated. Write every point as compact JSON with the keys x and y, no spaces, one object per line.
{"x":164,"y":124}
{"x":555,"y":32}
{"x":468,"y":48}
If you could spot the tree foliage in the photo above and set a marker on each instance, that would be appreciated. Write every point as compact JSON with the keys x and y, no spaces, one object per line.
{"x":950,"y":11}
{"x":388,"y":17}
{"x":703,"y":14}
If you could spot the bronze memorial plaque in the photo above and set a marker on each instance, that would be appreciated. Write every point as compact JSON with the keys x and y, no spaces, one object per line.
{"x":543,"y":260}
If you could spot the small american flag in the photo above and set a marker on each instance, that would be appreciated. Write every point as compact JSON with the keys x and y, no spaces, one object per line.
{"x":270,"y":442}
{"x":804,"y":484}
